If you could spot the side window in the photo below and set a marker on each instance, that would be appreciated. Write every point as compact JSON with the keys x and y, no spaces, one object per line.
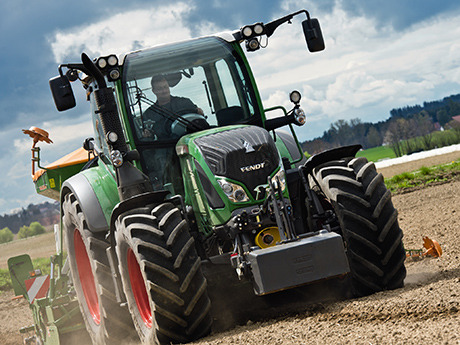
{"x":227,"y":84}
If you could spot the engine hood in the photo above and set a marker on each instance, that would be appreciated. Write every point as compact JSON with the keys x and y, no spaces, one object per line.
{"x":246,"y":154}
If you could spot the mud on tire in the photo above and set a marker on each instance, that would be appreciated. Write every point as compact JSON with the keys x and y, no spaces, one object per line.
{"x":162,"y":279}
{"x":106,"y":322}
{"x":368,"y":222}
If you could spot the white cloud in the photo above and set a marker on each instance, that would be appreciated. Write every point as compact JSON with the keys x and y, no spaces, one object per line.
{"x":64,"y":133}
{"x":366,"y":70}
{"x":123,"y":32}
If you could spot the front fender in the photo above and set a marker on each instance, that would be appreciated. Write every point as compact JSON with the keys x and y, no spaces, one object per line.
{"x":97,"y":194}
{"x":331,"y":155}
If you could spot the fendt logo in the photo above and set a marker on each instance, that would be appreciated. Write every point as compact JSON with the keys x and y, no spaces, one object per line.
{"x":248,"y":147}
{"x":253,"y":167}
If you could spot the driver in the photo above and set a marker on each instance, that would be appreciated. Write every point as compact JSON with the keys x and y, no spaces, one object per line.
{"x":162,"y":112}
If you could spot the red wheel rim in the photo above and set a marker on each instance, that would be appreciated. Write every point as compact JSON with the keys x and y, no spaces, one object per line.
{"x":86,"y":277}
{"x":139,"y":291}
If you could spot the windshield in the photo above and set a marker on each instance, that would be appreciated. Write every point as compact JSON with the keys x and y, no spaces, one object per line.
{"x":184,"y":87}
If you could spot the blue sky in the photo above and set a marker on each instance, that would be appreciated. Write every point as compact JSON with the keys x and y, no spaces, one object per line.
{"x":379,"y":55}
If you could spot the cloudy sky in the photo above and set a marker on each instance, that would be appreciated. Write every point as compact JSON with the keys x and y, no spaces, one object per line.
{"x":379,"y":55}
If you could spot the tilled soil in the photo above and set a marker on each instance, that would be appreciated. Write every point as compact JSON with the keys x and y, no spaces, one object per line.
{"x":425,"y":311}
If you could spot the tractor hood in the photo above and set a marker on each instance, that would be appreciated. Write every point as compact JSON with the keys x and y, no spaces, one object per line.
{"x":243,"y":154}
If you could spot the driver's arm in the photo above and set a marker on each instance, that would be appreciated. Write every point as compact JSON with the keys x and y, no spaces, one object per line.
{"x":183,"y":105}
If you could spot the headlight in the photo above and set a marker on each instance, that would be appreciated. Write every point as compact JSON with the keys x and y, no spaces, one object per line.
{"x":300,"y":117}
{"x":259,"y":29}
{"x":117,"y":158}
{"x":233,"y":191}
{"x":101,"y":63}
{"x":295,"y":96}
{"x":113,"y":137}
{"x":253,"y":44}
{"x":114,"y":74}
{"x":112,"y":60}
{"x":281,"y":177}
{"x":247,"y":31}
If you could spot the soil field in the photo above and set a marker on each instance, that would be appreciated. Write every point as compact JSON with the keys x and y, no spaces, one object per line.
{"x":425,"y":311}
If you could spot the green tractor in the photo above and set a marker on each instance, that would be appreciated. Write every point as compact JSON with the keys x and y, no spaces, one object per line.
{"x":189,"y":201}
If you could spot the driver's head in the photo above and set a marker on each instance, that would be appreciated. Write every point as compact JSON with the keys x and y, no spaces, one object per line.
{"x":160,"y":88}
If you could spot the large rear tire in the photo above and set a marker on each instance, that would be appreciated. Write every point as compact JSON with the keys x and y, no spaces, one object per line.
{"x":162,"y":279}
{"x":106,"y":322}
{"x":368,"y":223}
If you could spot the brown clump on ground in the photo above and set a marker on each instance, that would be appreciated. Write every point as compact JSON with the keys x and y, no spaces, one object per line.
{"x":425,"y":311}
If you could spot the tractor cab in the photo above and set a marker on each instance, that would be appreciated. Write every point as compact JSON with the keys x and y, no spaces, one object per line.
{"x":182,"y":88}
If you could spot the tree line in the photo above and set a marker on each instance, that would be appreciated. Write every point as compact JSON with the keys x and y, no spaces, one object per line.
{"x":35,"y":228}
{"x":403,"y":124}
{"x":46,"y":213}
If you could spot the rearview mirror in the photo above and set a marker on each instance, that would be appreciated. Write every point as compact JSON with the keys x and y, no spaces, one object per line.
{"x":62,"y":93}
{"x":313,"y":35}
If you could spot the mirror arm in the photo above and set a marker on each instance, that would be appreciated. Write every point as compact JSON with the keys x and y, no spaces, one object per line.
{"x":77,"y":66}
{"x":272,"y":26}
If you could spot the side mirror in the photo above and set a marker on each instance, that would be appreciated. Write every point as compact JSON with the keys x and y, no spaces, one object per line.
{"x":62,"y":93}
{"x":313,"y":35}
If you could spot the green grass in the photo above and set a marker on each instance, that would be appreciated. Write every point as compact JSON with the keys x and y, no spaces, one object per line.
{"x":5,"y":280}
{"x":423,"y":177}
{"x":377,"y":153}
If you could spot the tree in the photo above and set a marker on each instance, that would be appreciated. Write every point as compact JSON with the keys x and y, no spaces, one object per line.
{"x":443,"y":117}
{"x":6,"y":235}
{"x":394,"y":135}
{"x":455,"y":125}
{"x":342,"y":129}
{"x":24,"y":232}
{"x":373,"y":137}
{"x":425,"y":127}
{"x":36,"y":228}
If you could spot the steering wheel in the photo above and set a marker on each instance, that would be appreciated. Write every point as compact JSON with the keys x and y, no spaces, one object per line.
{"x":178,"y":128}
{"x":149,"y":129}
{"x":148,"y":125}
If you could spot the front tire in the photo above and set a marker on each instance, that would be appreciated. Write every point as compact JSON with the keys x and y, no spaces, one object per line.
{"x":161,"y":275}
{"x":106,"y":322}
{"x":368,"y":223}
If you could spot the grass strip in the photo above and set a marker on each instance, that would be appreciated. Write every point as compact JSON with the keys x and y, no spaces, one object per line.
{"x":423,"y":177}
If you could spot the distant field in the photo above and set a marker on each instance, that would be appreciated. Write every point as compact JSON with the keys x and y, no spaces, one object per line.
{"x":41,"y":246}
{"x":377,"y":153}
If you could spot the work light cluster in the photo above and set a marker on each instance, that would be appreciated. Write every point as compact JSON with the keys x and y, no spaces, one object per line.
{"x":109,"y":64}
{"x":249,"y":33}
